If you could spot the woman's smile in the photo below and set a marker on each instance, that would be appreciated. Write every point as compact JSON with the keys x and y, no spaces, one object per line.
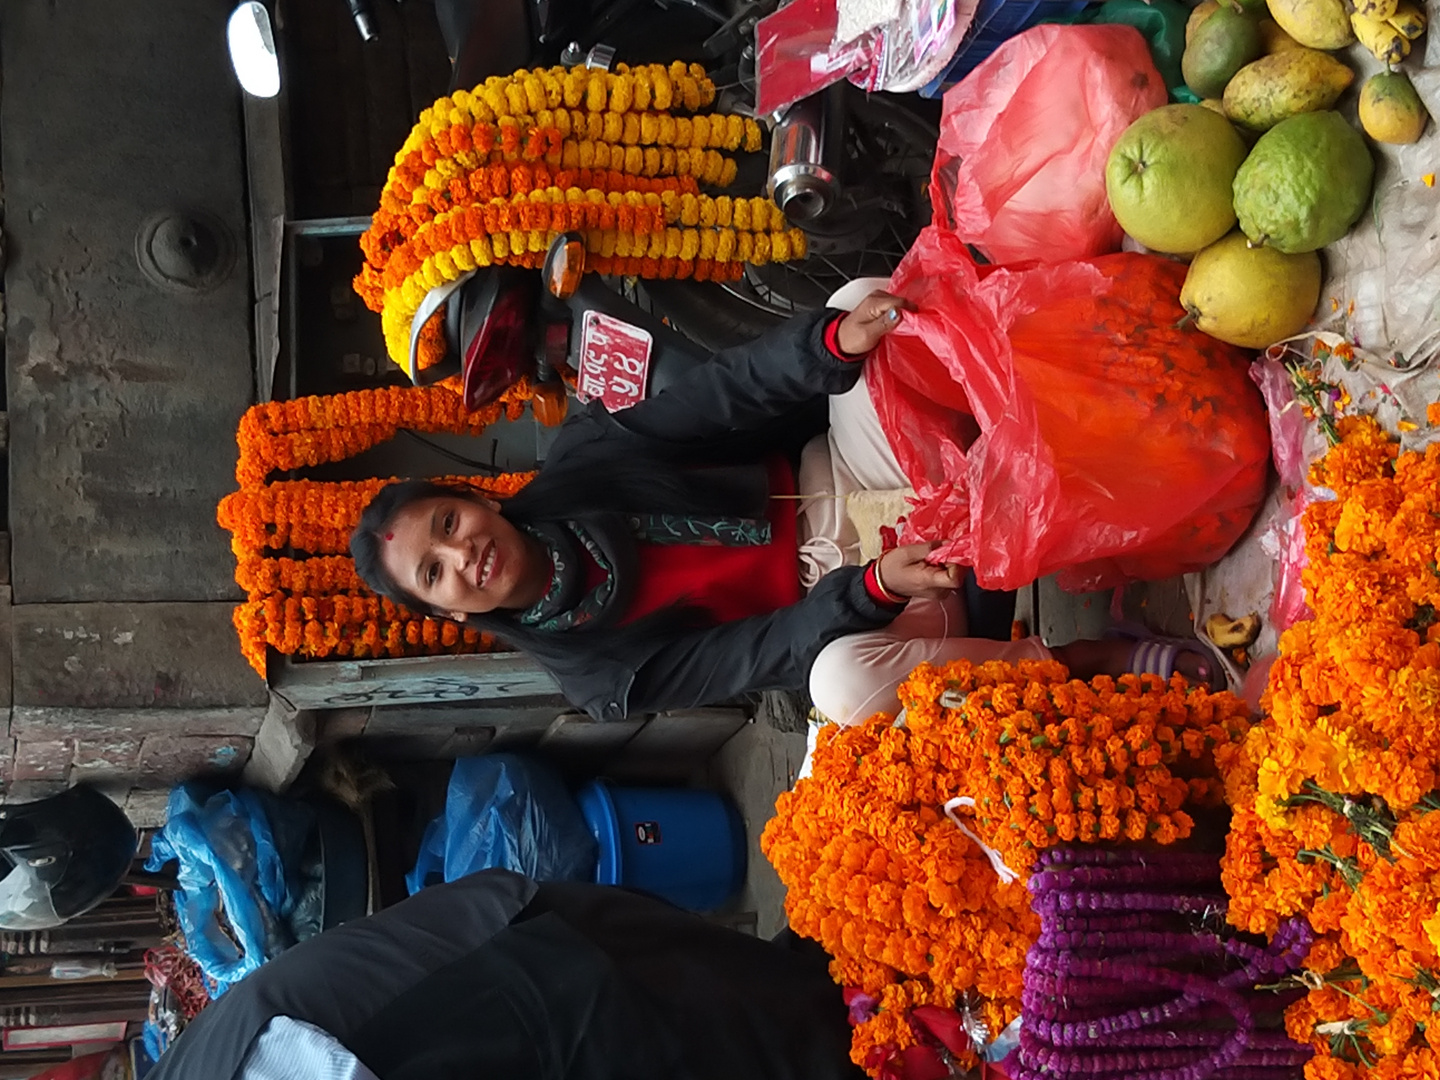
{"x":489,"y":564}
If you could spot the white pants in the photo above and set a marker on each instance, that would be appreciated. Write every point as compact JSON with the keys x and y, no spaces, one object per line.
{"x":856,"y":676}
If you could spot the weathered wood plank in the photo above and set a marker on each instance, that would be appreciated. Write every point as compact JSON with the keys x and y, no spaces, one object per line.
{"x":492,"y":677}
{"x":674,"y":744}
{"x":575,"y":741}
{"x":521,"y":718}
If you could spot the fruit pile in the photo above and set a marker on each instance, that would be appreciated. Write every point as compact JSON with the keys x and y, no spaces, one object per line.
{"x":1264,"y":150}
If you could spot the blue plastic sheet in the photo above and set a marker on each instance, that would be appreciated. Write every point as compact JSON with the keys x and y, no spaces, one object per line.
{"x":509,"y":812}
{"x":240,"y":853}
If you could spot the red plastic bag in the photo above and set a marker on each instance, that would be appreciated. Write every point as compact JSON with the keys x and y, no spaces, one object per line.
{"x":1020,"y":168}
{"x":1114,"y":443}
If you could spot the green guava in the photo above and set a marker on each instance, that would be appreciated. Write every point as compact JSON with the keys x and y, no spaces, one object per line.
{"x":1304,"y":184}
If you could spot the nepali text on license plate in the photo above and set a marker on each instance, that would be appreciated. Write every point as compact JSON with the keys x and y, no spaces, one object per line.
{"x":614,"y":361}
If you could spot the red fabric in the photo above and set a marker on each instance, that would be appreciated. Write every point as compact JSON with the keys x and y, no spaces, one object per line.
{"x":872,"y":586}
{"x":922,"y":1063}
{"x":728,"y":582}
{"x":832,"y":342}
{"x":942,"y":1024}
{"x":89,"y":1067}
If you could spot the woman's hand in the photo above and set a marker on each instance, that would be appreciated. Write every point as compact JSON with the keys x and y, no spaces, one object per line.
{"x":875,"y":316}
{"x":904,"y":572}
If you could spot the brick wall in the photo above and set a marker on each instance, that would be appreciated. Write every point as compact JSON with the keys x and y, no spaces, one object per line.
{"x":133,"y":755}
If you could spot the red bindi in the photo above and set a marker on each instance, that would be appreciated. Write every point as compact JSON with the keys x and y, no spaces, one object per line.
{"x":389,"y":536}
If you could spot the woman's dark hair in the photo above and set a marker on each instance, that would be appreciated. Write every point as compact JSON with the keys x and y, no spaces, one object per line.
{"x":602,"y":483}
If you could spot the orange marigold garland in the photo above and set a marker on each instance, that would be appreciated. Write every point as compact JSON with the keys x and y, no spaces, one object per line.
{"x":1050,"y":760}
{"x":1334,"y":792}
{"x":291,"y":537}
{"x":286,"y":435}
{"x":490,"y":176}
{"x":910,"y":908}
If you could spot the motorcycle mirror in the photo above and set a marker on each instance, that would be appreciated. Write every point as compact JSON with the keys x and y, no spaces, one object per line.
{"x":252,"y":49}
{"x":564,"y":265}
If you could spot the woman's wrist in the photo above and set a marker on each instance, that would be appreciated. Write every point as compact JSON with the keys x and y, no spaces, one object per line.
{"x":832,"y":340}
{"x":876,"y":587}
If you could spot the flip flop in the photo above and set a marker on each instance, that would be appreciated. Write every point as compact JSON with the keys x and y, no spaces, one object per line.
{"x":1154,"y":655}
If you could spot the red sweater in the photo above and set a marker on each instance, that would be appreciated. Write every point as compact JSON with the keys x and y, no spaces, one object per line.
{"x":728,"y":582}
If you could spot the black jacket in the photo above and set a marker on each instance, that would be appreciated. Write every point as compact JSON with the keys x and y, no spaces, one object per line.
{"x":729,"y":407}
{"x":495,"y":977}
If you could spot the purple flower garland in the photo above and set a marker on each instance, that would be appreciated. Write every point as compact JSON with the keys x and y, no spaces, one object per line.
{"x":1132,"y":977}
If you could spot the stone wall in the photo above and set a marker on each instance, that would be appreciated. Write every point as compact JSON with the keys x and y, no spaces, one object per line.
{"x":123,"y":385}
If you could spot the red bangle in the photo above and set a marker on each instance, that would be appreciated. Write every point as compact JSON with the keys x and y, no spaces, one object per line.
{"x":875,"y":586}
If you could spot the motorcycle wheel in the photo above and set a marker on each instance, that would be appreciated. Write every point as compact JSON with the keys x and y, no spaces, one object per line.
{"x":889,"y":149}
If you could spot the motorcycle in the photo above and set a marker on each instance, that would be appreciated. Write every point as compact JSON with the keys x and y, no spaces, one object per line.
{"x":850,"y":169}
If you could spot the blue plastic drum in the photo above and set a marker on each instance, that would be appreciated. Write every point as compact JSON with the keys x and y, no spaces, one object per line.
{"x":684,"y":846}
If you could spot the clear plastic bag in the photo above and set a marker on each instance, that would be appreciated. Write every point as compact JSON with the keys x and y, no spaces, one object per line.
{"x":915,"y":46}
{"x":1116,"y":443}
{"x":1020,"y":167}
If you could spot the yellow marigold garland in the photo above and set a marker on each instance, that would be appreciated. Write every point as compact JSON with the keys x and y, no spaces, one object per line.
{"x":491,"y":176}
{"x":291,"y":537}
{"x":1334,"y":793}
{"x":912,"y":910}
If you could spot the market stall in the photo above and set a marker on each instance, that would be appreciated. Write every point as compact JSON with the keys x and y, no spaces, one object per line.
{"x":1175,"y":316}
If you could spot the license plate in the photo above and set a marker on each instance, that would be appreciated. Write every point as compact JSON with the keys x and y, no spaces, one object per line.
{"x":614,"y":361}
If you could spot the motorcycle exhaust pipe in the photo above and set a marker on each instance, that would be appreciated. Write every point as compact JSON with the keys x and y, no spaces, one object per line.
{"x":801,"y":183}
{"x":364,"y":19}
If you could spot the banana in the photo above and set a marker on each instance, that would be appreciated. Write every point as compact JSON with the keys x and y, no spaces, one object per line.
{"x":1388,"y":44}
{"x":1376,"y":9}
{"x":1409,"y":19}
{"x":1230,"y":633}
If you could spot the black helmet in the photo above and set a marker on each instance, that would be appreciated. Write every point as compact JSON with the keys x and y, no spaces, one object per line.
{"x":60,"y":857}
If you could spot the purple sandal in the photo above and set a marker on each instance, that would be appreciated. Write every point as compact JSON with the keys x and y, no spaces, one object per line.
{"x":1152,"y":655}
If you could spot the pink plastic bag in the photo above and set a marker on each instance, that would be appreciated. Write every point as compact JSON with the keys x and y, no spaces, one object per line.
{"x":1287,"y":421}
{"x":1289,"y":606}
{"x":1020,"y":168}
{"x":1114,"y":445}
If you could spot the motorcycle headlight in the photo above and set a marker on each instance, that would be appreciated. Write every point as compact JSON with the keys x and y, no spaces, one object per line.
{"x":252,"y":49}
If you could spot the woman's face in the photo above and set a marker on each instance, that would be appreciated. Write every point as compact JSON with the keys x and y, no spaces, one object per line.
{"x":462,"y":557}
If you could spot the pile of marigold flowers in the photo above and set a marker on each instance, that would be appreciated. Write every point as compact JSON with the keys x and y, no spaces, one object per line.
{"x":491,"y":176}
{"x":906,"y":897}
{"x":291,"y":537}
{"x":1334,"y":792}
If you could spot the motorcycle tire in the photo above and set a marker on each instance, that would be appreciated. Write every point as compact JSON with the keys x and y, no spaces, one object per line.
{"x":889,"y":148}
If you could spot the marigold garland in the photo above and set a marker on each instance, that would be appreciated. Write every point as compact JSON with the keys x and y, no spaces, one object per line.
{"x":287,"y":435}
{"x":291,"y":537}
{"x":1334,"y":793}
{"x":912,"y":910}
{"x":490,"y":176}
